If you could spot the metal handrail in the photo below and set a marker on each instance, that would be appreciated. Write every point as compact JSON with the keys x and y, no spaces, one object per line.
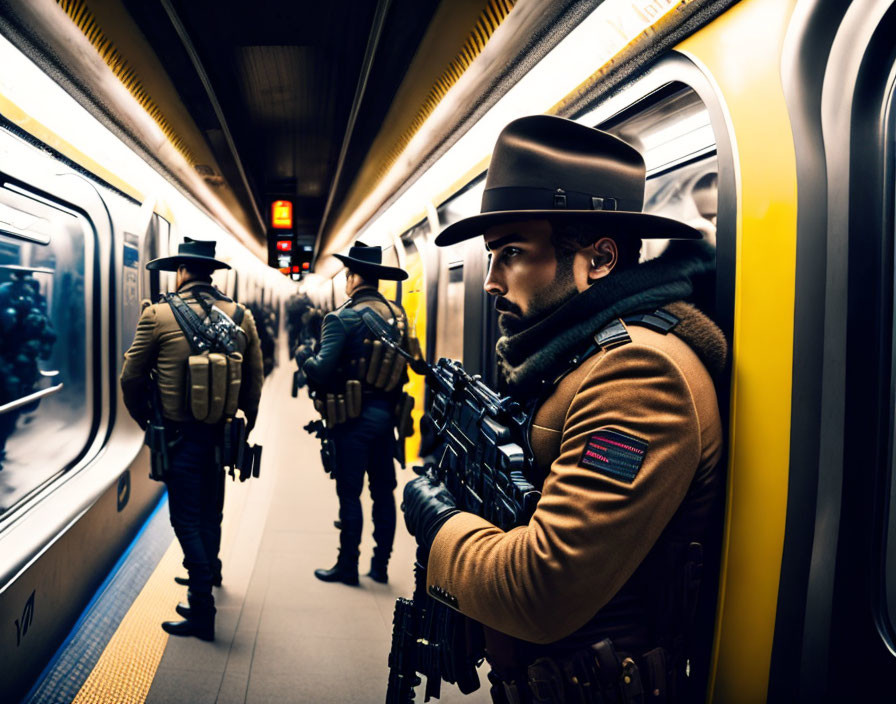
{"x":30,"y":398}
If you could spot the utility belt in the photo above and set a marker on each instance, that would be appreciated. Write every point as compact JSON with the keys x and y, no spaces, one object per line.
{"x":232,"y":452}
{"x":336,"y":408}
{"x":593,"y":675}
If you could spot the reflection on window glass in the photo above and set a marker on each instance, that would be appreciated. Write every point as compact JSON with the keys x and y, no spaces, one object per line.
{"x":689,"y":194}
{"x":463,"y":205}
{"x":45,"y":410}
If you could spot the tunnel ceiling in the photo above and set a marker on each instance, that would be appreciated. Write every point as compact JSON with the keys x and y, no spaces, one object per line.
{"x":285,"y":75}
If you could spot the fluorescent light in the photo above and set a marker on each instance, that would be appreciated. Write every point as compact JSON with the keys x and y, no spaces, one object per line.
{"x":23,"y":84}
{"x":612,"y":26}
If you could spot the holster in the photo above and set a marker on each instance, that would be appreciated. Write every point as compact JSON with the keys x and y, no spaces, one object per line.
{"x":234,"y":437}
{"x":157,"y":440}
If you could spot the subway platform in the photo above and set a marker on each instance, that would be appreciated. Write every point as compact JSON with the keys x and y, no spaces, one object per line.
{"x":281,"y":635}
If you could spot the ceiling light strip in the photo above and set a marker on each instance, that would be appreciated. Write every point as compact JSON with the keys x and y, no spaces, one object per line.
{"x":599,"y":41}
{"x":82,"y":17}
{"x":494,"y":13}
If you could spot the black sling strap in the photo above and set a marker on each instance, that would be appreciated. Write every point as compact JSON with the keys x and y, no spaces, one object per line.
{"x":200,"y":334}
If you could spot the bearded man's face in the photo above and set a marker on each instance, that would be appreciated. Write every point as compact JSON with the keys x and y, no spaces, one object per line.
{"x":525,"y":274}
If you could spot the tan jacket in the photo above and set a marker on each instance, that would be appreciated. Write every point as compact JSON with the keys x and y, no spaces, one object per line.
{"x":160,"y":344}
{"x":590,"y":532}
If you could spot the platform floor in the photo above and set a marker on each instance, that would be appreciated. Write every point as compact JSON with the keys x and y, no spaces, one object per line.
{"x":281,"y":635}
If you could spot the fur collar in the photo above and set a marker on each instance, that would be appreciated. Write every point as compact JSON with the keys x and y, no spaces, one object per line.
{"x":542,"y":352}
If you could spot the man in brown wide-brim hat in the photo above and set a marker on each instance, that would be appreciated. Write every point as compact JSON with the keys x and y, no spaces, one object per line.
{"x":195,"y":481}
{"x":596,"y":593}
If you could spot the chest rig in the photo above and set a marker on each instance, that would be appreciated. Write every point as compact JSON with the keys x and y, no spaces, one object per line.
{"x":217,"y":343}
{"x":377,"y":372}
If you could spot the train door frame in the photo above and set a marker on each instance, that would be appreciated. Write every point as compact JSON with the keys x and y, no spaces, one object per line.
{"x":668,"y":75}
{"x":830,"y":617}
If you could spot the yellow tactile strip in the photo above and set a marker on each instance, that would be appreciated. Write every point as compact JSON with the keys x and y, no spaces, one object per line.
{"x":127,"y":667}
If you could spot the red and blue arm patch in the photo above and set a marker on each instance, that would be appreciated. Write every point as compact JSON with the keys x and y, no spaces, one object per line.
{"x":616,"y":454}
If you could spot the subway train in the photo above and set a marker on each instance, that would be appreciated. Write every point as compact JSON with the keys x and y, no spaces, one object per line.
{"x":769,"y":125}
{"x":75,"y":235}
{"x":771,"y":129}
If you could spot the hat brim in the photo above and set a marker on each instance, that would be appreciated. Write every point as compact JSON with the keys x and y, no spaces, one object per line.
{"x":615,"y":222}
{"x":375,"y":271}
{"x":172,"y":263}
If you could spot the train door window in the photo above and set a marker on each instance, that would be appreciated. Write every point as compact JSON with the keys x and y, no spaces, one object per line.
{"x":390,"y":289}
{"x":46,"y":408}
{"x":672,"y":130}
{"x":452,"y":290}
{"x":450,"y":316}
{"x":154,"y":245}
{"x":338,"y":294}
{"x":414,"y":289}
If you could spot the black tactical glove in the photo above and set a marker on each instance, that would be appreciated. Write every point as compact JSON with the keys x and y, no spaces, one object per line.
{"x":427,"y":505}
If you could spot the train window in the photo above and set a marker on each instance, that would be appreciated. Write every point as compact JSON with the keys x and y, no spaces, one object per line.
{"x":673,"y":132}
{"x":390,"y":289}
{"x":46,"y":410}
{"x":339,"y":296}
{"x":450,"y":316}
{"x":449,"y":339}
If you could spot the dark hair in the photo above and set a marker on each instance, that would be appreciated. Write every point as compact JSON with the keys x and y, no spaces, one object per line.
{"x":198,"y":270}
{"x":366,"y":280}
{"x":568,"y":238}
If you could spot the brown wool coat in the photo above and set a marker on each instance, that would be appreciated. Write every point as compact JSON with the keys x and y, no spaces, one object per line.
{"x":159,"y":343}
{"x":590,"y":532}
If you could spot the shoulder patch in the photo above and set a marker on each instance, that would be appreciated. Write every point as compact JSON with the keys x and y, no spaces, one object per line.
{"x":615,"y":454}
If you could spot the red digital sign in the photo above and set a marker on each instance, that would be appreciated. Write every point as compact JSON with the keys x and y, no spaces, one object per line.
{"x":284,"y":245}
{"x":281,"y":214}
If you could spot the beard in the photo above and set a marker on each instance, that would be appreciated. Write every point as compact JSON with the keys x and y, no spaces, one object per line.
{"x":512,"y":320}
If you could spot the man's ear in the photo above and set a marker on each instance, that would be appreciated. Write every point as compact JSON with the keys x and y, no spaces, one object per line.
{"x":604,"y":257}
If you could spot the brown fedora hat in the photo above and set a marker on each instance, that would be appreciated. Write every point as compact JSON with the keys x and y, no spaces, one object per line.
{"x":547,"y":167}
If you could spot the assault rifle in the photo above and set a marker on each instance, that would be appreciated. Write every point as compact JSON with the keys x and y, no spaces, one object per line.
{"x":484,"y":465}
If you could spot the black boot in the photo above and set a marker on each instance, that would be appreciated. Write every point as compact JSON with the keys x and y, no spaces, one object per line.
{"x":378,"y":570}
{"x":345,"y":571}
{"x":199,"y":618}
{"x":346,"y":568}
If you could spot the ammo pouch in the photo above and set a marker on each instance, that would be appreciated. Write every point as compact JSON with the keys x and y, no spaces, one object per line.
{"x":338,"y":408}
{"x":213,"y":385}
{"x":214,"y":370}
{"x":404,"y":421}
{"x":381,"y":367}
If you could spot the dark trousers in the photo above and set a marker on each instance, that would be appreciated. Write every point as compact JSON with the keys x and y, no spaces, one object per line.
{"x":366,"y":445}
{"x":196,"y":503}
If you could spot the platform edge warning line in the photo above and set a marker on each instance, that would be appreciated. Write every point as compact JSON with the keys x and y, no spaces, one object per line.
{"x":126,"y":669}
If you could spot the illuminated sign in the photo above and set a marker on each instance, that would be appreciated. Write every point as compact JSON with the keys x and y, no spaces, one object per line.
{"x":284,"y":245}
{"x":281,"y":214}
{"x":284,"y":260}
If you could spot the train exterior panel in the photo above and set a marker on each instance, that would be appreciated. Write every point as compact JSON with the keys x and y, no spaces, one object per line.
{"x":75,"y":478}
